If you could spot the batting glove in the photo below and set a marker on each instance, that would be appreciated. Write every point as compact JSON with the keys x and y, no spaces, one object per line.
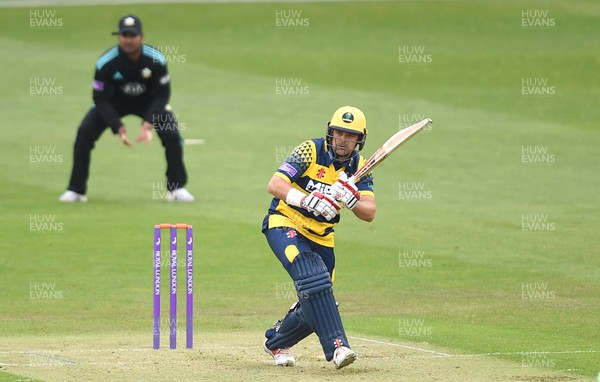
{"x":345,"y":191}
{"x":320,"y":204}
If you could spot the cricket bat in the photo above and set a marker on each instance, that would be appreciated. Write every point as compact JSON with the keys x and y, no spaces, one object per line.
{"x":388,"y":148}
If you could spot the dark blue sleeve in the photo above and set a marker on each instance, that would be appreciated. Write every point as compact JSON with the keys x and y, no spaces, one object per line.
{"x":366,"y":183}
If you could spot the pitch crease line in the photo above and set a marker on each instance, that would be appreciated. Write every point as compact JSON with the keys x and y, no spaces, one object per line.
{"x":440,"y":354}
{"x":518,"y":353}
{"x":402,"y":346}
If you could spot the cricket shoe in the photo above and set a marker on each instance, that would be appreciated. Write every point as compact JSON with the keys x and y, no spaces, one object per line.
{"x":281,"y":357}
{"x":343,"y":356}
{"x":72,"y":197}
{"x":180,"y":195}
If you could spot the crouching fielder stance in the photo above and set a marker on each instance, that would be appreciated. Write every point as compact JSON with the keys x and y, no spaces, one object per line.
{"x":309,"y":188}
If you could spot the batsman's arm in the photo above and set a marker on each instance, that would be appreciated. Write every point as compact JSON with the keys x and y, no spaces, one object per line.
{"x":317,"y":203}
{"x":365,"y":209}
{"x":280,"y":189}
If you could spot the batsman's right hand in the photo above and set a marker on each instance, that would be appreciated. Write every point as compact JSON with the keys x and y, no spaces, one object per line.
{"x":320,"y":204}
{"x":345,"y":191}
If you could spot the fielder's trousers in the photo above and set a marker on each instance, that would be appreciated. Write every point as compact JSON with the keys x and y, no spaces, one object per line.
{"x":93,"y":125}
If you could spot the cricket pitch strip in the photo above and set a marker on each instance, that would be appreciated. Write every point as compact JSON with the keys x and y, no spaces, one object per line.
{"x":236,"y":356}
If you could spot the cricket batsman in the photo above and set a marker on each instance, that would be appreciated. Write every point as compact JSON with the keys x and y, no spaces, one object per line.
{"x":309,"y":188}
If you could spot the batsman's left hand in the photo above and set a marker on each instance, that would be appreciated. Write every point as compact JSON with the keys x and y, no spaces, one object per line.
{"x":320,"y":205}
{"x":345,"y":191}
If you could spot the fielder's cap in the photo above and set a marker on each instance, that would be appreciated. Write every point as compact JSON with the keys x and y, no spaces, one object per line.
{"x":130,"y":24}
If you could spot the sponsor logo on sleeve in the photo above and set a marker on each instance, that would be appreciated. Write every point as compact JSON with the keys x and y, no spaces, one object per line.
{"x":288,"y":169}
{"x":164,"y":79}
{"x":98,"y":85}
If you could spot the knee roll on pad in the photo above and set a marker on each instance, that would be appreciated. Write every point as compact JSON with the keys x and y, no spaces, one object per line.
{"x":313,"y":285}
{"x":310,"y":275}
{"x":315,"y":292}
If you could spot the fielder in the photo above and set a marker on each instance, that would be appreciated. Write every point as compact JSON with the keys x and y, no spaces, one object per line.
{"x":309,"y":188}
{"x":130,"y":78}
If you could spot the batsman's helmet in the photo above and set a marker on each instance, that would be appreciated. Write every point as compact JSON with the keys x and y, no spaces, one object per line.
{"x":350,"y":120}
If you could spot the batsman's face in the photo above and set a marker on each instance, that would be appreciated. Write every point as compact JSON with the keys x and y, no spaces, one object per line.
{"x":344,"y":143}
{"x":131,"y":43}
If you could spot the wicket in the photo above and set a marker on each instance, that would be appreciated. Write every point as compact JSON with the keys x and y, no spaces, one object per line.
{"x":189,"y":318}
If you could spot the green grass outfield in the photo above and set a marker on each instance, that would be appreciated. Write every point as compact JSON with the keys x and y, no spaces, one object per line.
{"x":482,"y":263}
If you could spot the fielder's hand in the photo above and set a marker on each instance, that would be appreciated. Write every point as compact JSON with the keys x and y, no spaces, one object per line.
{"x":320,"y":204}
{"x":145,"y":135}
{"x":345,"y":192}
{"x":123,"y":135}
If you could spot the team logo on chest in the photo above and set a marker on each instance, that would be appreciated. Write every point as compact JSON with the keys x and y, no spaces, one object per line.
{"x":133,"y":88}
{"x":321,"y":173}
{"x":146,"y":73}
{"x":317,"y":186}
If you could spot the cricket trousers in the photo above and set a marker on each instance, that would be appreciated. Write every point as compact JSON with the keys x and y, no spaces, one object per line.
{"x":93,"y":125}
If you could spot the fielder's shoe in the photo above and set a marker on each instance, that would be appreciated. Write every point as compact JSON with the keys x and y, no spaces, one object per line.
{"x":281,"y":357}
{"x":72,"y":197}
{"x":343,"y":356}
{"x":180,"y":195}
